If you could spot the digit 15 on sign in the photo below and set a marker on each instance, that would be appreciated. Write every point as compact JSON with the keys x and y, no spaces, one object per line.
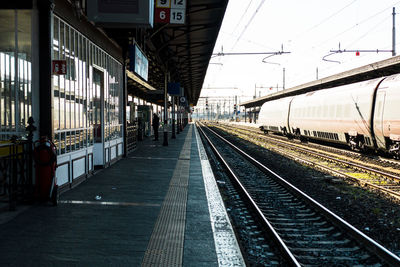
{"x":178,"y":11}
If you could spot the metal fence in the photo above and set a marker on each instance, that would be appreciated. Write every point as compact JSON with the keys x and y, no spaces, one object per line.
{"x":132,"y":133}
{"x":16,"y":169}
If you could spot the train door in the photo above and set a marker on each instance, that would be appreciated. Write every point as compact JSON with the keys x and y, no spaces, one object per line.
{"x":378,"y":119}
{"x":98,"y":120}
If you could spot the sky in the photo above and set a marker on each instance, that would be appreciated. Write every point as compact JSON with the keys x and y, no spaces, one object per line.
{"x":309,"y":30}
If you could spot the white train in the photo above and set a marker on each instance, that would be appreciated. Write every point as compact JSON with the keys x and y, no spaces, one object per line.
{"x":364,"y":115}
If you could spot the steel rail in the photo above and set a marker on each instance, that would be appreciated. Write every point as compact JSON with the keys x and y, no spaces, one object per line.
{"x":369,"y":243}
{"x":332,"y":159}
{"x":282,"y":246}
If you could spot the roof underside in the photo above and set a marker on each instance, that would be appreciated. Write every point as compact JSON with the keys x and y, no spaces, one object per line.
{"x":184,"y":51}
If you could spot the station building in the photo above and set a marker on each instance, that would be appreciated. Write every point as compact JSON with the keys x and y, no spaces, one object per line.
{"x":74,"y":75}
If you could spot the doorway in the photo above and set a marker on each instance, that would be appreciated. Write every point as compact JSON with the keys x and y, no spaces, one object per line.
{"x":98,"y":118}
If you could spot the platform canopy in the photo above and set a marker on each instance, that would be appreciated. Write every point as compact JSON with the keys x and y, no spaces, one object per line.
{"x":182,"y":50}
{"x":374,"y":70}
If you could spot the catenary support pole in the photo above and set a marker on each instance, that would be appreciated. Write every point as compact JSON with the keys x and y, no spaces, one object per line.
{"x":178,"y":116}
{"x":394,"y":33}
{"x":173,"y":136}
{"x":165,"y":128}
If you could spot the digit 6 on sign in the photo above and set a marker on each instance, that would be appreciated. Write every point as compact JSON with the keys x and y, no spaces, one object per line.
{"x":162,"y":15}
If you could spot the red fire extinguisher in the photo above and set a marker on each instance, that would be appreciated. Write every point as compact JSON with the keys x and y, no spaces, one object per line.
{"x":45,"y":156}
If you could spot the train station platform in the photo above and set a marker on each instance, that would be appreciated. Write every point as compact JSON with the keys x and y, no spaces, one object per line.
{"x":160,"y":206}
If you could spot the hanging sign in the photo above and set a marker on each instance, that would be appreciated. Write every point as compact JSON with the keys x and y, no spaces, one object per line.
{"x":170,"y":11}
{"x":121,"y":13}
{"x":174,"y":89}
{"x":138,"y":62}
{"x":59,"y":67}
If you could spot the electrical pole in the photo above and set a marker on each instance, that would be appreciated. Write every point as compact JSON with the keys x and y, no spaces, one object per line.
{"x":283,"y":86}
{"x":173,"y":136}
{"x":394,"y":33}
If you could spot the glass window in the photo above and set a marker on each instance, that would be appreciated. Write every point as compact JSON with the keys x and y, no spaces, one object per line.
{"x":15,"y":72}
{"x":80,"y":114}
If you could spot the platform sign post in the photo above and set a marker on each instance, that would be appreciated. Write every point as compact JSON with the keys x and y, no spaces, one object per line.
{"x":170,"y":11}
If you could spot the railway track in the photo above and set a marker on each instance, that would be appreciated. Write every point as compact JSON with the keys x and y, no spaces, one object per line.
{"x":327,"y":159}
{"x":306,"y":233}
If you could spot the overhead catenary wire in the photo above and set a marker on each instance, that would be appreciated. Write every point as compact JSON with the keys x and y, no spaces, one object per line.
{"x":357,"y":24}
{"x":241,"y":18}
{"x":248,"y":23}
{"x":326,"y":19}
{"x":369,"y":18}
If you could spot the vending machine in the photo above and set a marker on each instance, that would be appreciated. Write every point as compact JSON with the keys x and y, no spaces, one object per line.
{"x":145,"y":115}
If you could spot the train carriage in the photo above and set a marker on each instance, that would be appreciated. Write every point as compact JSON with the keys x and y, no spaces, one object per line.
{"x":273,"y":116}
{"x":363,"y":115}
{"x":342,"y":114}
{"x":387,"y":116}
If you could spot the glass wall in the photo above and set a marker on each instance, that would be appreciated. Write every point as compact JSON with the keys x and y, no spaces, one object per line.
{"x":15,"y":72}
{"x":78,"y":99}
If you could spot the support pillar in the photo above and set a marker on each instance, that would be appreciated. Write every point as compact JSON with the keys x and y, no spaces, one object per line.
{"x":173,"y":136}
{"x":45,"y":8}
{"x":165,"y":128}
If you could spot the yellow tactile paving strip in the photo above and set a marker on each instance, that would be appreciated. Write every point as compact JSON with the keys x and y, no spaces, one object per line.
{"x":166,"y":242}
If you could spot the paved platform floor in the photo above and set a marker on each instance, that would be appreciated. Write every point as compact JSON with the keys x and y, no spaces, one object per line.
{"x":157,"y":207}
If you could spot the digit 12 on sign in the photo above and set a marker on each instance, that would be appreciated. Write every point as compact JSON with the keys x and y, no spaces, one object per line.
{"x":178,"y":11}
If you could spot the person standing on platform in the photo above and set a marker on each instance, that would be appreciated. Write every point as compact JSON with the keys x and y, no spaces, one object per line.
{"x":156,"y":124}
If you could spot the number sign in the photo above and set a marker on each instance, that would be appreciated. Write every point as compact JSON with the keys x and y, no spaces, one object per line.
{"x":59,"y":67}
{"x":162,"y":15}
{"x":178,"y":4}
{"x":163,"y":3}
{"x":170,"y":11}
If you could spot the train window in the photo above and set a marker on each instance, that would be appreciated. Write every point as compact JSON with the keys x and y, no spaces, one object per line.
{"x":379,"y":109}
{"x":325,"y":111}
{"x":347,"y":110}
{"x":339,"y":113}
{"x":319,"y":112}
{"x":331,"y":111}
